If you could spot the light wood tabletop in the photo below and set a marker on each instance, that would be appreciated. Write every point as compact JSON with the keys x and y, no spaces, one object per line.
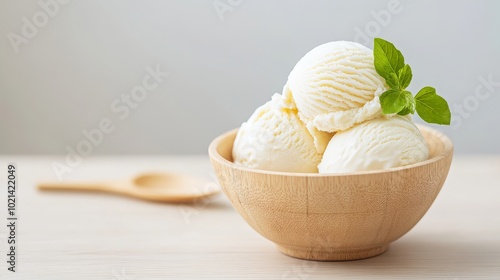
{"x":81,"y":235}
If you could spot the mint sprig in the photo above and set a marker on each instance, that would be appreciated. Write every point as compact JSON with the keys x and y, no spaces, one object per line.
{"x":390,"y":65}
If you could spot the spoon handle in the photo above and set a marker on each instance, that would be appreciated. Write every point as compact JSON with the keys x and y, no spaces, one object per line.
{"x":75,"y":186}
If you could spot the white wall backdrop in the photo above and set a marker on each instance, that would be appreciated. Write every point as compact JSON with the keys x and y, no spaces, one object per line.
{"x":72,"y":67}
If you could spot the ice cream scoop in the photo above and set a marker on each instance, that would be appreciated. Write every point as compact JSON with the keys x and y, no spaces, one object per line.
{"x":275,"y":139}
{"x":335,"y":86}
{"x":380,"y":143}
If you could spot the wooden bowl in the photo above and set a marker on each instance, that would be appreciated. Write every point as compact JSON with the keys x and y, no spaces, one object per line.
{"x":333,"y":217}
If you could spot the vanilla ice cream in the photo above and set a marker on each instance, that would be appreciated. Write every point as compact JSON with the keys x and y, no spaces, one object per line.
{"x":275,"y":139}
{"x":335,"y":86}
{"x":380,"y":143}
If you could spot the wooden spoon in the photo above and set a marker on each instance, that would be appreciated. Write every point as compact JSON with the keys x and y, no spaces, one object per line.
{"x":161,"y":187}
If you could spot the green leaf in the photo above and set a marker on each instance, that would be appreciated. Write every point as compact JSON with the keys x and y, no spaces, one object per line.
{"x":393,"y":101}
{"x":426,"y":91}
{"x":389,"y":64}
{"x":404,"y":76}
{"x":392,"y":80}
{"x":410,"y":105}
{"x":404,"y":112}
{"x":431,"y":107}
{"x":387,"y":58}
{"x":409,"y":109}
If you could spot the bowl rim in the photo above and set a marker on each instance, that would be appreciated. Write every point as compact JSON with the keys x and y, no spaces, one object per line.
{"x":214,"y":155}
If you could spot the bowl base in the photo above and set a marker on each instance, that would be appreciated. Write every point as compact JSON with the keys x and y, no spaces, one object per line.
{"x":344,"y":255}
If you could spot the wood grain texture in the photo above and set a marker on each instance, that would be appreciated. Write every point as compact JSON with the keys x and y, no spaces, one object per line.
{"x":333,"y":216}
{"x":99,"y":236}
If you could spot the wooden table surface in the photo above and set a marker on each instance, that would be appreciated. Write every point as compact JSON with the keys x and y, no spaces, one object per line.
{"x":99,"y":236}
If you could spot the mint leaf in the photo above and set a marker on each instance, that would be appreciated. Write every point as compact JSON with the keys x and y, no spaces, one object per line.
{"x":390,"y":64}
{"x":431,"y":107}
{"x":405,"y":111}
{"x":387,"y":58}
{"x":404,"y":76}
{"x":393,"y":101}
{"x":409,"y":108}
{"x":392,"y":80}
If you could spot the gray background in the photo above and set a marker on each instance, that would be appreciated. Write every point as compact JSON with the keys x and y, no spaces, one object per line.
{"x":91,"y":52}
